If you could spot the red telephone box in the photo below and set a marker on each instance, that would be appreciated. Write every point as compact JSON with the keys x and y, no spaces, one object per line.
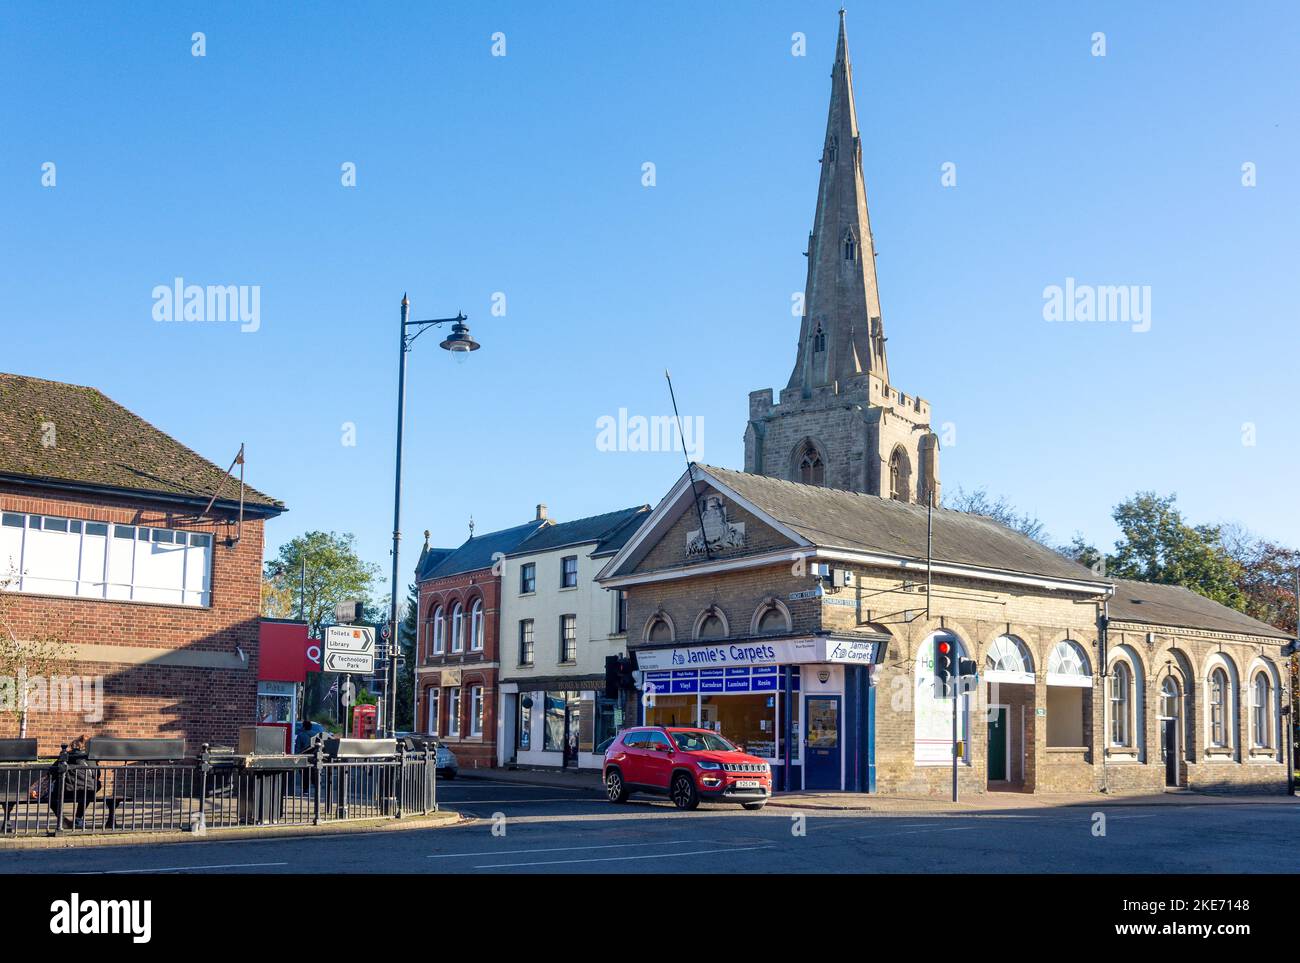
{"x":364,"y":722}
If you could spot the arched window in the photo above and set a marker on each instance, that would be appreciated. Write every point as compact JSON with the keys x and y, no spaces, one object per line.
{"x":476,"y":626}
{"x":439,"y":631}
{"x":1008,"y":660}
{"x":900,"y":473}
{"x":771,"y":618}
{"x":811,"y":469}
{"x":1067,"y":665}
{"x":1265,"y":706}
{"x":1218,"y":707}
{"x":457,"y":628}
{"x":1261,"y":712}
{"x":1121,"y":705}
{"x":1170,"y":698}
{"x":659,"y":629}
{"x":819,"y":339}
{"x":850,"y":248}
{"x":711,"y":624}
{"x":1069,"y":696}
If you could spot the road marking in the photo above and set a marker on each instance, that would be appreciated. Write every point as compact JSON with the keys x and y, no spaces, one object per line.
{"x":617,"y":859}
{"x":557,"y":849}
{"x":913,"y":832}
{"x":175,"y":869}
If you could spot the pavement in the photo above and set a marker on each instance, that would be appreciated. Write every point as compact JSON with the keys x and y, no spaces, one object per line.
{"x":516,"y":827}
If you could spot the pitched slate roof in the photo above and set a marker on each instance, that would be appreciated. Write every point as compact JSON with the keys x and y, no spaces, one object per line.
{"x":617,"y":537}
{"x":1175,"y":606}
{"x":833,"y":518}
{"x":478,"y":552}
{"x":596,"y":528}
{"x":101,"y":444}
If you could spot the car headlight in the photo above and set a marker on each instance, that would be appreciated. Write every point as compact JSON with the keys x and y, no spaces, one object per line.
{"x":709,"y":765}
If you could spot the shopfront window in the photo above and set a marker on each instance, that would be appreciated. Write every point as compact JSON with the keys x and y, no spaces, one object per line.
{"x":609,"y":719}
{"x":673,"y":710}
{"x":748,"y":720}
{"x":553,"y":723}
{"x":275,"y":702}
{"x":525,"y":722}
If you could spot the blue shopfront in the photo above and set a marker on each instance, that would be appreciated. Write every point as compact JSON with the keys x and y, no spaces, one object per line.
{"x":807,"y":706}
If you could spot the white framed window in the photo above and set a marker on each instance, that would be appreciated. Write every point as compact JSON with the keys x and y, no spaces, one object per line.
{"x":1067,"y":664}
{"x":453,"y":711}
{"x":1261,"y":711}
{"x":1008,"y":660}
{"x":476,"y":626}
{"x":568,"y":638}
{"x":51,"y":555}
{"x":458,"y":628}
{"x":1121,"y":705}
{"x":476,"y":710}
{"x":432,"y":720}
{"x":439,"y":631}
{"x":1219,"y":707}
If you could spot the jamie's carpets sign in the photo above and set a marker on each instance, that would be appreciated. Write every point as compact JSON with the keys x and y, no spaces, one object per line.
{"x":777,"y":652}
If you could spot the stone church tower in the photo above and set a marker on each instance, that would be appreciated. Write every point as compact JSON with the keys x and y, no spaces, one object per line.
{"x":840,"y":422}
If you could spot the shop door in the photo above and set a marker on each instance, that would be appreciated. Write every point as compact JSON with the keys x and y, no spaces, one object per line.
{"x":997,"y":744}
{"x":572,"y":723}
{"x":821,"y":756}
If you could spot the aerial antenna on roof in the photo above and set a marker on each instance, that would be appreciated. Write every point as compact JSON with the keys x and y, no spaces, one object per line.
{"x":239,"y":525}
{"x":690,"y":467}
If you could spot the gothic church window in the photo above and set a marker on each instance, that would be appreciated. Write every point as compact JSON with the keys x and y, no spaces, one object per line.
{"x":900,"y":472}
{"x":850,"y":249}
{"x":819,"y":340}
{"x":811,"y":469}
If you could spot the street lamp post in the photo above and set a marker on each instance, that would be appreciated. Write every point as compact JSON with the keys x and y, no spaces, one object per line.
{"x":460,"y":344}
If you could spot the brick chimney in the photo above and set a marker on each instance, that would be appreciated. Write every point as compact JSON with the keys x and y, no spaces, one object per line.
{"x":541,"y":512}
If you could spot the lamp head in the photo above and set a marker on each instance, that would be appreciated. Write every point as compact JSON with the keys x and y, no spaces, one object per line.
{"x":459,"y":342}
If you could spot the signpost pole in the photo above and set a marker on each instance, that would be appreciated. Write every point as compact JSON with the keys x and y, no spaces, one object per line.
{"x":954,"y":681}
{"x":347,"y":704}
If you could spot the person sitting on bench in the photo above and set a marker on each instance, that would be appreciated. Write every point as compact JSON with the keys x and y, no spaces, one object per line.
{"x":80,"y":783}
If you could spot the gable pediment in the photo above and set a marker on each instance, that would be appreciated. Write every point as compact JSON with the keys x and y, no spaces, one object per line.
{"x":712,"y":526}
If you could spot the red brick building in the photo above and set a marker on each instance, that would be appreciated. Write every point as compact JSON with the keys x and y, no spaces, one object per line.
{"x":118,"y":579}
{"x":458,"y":644}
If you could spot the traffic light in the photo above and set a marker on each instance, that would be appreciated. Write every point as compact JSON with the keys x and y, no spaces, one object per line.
{"x":618,"y":674}
{"x":611,"y":676}
{"x":943,"y":664}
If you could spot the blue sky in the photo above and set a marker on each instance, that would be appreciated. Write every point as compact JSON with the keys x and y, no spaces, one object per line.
{"x":522,"y":175}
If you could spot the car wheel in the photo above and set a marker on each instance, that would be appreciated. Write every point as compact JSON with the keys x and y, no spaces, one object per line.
{"x":683,"y":792}
{"x":615,"y":788}
{"x":754,"y":807}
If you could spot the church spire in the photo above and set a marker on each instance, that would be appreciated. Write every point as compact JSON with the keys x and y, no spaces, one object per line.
{"x":841,"y":336}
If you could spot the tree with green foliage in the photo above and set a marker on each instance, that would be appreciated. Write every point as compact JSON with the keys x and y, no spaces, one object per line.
{"x":333,"y":573}
{"x":1157,"y":545}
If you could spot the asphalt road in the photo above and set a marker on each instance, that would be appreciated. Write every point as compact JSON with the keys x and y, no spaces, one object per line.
{"x":528,"y":829}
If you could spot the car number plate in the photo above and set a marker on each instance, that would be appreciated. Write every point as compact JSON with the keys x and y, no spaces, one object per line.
{"x":747,"y":783}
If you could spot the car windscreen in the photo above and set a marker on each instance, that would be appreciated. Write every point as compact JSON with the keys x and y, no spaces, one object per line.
{"x":702,"y":742}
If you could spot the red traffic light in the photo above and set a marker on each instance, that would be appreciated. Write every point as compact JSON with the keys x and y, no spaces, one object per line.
{"x":943,"y":648}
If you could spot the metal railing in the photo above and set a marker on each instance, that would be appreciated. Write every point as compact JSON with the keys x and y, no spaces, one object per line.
{"x":70,"y":796}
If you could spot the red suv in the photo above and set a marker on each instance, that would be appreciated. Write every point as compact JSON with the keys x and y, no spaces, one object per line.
{"x":687,"y":765}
